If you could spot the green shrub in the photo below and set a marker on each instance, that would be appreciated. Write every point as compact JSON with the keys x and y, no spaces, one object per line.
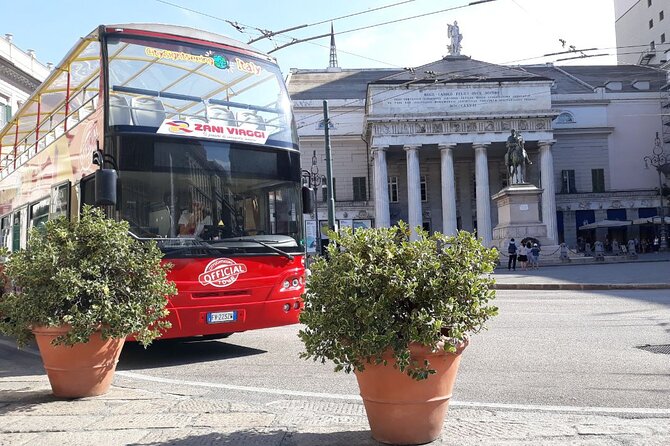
{"x":378,"y":291}
{"x":89,"y":274}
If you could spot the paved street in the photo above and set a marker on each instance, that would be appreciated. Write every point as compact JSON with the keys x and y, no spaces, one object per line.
{"x":555,"y":367}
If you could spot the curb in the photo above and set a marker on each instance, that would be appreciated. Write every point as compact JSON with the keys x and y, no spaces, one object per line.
{"x":581,"y":286}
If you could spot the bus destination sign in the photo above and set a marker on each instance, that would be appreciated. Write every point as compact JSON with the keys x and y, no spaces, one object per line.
{"x":201,"y":129}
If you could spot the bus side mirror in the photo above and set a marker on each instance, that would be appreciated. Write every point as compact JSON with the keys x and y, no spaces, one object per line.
{"x":105,"y":180}
{"x":307,"y":200}
{"x":105,"y":187}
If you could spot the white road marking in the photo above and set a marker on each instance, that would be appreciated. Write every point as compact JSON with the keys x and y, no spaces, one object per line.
{"x":453,"y":403}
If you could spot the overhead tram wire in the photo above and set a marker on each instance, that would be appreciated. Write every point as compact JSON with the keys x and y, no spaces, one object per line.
{"x":453,"y":8}
{"x":269,"y":34}
{"x":239,"y":26}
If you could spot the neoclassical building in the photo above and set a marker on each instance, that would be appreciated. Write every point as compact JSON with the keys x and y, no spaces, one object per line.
{"x":427,"y":145}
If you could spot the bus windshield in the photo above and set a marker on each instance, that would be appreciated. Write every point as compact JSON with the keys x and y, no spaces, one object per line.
{"x":210,"y":191}
{"x":190,"y":90}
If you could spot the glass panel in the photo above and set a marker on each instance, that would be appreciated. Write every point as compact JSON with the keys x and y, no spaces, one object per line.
{"x":60,"y":200}
{"x":184,"y":81}
{"x":5,"y":231}
{"x":16,"y":232}
{"x":39,"y":213}
{"x":210,"y":191}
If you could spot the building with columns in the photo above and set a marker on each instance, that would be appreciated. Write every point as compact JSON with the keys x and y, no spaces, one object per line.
{"x":427,"y":145}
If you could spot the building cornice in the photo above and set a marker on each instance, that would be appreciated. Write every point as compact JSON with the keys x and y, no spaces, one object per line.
{"x":16,"y":77}
{"x":458,"y":126}
{"x":583,"y":130}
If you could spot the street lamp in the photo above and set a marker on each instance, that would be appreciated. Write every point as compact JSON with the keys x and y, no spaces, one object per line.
{"x":314,"y":182}
{"x":659,"y":159}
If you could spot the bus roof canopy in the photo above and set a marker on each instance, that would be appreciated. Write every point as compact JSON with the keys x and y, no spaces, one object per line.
{"x":75,"y":80}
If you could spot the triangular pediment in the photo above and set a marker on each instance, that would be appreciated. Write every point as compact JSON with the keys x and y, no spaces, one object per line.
{"x":460,"y":69}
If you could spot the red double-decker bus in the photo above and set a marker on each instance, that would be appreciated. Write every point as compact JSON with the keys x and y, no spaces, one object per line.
{"x":199,"y":130}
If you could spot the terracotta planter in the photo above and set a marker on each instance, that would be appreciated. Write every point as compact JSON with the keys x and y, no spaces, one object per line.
{"x":80,"y":370}
{"x":402,"y":410}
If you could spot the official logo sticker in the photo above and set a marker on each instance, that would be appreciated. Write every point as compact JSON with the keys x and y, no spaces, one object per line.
{"x":221,"y":273}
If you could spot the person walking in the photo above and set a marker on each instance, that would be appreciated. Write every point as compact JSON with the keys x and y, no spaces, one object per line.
{"x":535,"y":256}
{"x":511,"y":252}
{"x":523,"y":256}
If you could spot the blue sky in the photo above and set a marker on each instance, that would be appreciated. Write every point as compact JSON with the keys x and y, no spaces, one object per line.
{"x":503,"y":31}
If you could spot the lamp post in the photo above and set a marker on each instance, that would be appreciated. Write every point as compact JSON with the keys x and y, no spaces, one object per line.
{"x":659,"y":159}
{"x":314,"y":182}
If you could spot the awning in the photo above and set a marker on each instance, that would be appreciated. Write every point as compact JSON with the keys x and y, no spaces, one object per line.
{"x":606,"y":224}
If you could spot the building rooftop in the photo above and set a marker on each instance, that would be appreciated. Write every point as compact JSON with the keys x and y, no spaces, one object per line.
{"x":332,"y":83}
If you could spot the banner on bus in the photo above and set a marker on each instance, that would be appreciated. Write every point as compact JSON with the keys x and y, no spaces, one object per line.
{"x":213,"y":130}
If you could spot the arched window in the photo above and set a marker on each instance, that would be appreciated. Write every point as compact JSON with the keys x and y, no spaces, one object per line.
{"x":565,"y":118}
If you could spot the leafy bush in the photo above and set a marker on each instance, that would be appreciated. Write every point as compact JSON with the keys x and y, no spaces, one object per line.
{"x":89,"y":274}
{"x":378,"y":291}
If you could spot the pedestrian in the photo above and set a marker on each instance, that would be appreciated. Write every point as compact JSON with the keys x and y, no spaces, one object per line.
{"x":535,"y":256}
{"x":657,"y":244}
{"x":511,"y":252}
{"x":523,"y":256}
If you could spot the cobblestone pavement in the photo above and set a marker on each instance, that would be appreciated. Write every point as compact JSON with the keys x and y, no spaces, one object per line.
{"x":30,"y":415}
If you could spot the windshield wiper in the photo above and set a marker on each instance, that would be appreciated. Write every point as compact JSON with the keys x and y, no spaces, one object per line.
{"x":170,"y":246}
{"x":253,"y":240}
{"x":170,"y":250}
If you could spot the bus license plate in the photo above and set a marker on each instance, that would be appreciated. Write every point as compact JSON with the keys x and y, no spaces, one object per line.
{"x":222,"y":316}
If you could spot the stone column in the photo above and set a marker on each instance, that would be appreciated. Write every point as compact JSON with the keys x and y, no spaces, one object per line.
{"x":414,"y":214}
{"x":382,"y":215}
{"x":483,"y":195}
{"x":448,"y":189}
{"x":465,"y":195}
{"x":548,"y":190}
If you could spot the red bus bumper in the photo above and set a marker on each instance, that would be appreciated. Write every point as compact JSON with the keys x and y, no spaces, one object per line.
{"x":193,"y":320}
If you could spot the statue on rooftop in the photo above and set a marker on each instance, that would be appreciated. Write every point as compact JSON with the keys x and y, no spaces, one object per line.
{"x":454,"y":34}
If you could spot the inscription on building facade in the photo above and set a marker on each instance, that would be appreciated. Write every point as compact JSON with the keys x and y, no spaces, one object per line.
{"x":460,"y":99}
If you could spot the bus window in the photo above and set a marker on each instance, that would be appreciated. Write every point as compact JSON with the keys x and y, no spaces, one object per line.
{"x":60,"y":201}
{"x":5,"y":230}
{"x":39,"y":213}
{"x":16,"y":231}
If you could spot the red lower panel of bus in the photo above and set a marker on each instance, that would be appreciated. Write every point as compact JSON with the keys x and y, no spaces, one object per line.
{"x":219,"y":319}
{"x":228,"y":295}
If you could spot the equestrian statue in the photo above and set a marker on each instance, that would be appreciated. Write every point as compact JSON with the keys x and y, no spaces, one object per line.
{"x":516,"y":159}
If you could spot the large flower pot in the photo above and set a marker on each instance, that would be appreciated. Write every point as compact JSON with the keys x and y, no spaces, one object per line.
{"x":80,"y":370}
{"x":402,"y":410}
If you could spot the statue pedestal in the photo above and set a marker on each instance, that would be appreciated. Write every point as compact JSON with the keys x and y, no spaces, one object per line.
{"x":519,"y":217}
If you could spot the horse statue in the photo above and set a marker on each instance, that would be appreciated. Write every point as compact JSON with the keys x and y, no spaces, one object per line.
{"x":516,"y":158}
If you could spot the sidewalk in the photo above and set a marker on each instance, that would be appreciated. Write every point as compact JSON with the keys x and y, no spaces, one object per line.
{"x":649,"y":271}
{"x":178,"y":415}
{"x":127,"y":416}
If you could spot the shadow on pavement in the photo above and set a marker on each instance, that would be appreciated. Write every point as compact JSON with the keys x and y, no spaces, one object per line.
{"x":178,"y":352}
{"x":271,"y":438}
{"x":16,"y":362}
{"x":24,"y":401}
{"x":658,"y":297}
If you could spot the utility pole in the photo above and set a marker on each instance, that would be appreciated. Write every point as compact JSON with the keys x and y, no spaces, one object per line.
{"x":660,"y":160}
{"x":329,"y":169}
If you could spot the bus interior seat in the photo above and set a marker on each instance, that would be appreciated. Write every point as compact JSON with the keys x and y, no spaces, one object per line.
{"x":250,"y":120}
{"x":221,"y":113}
{"x":147,"y":111}
{"x":119,"y":111}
